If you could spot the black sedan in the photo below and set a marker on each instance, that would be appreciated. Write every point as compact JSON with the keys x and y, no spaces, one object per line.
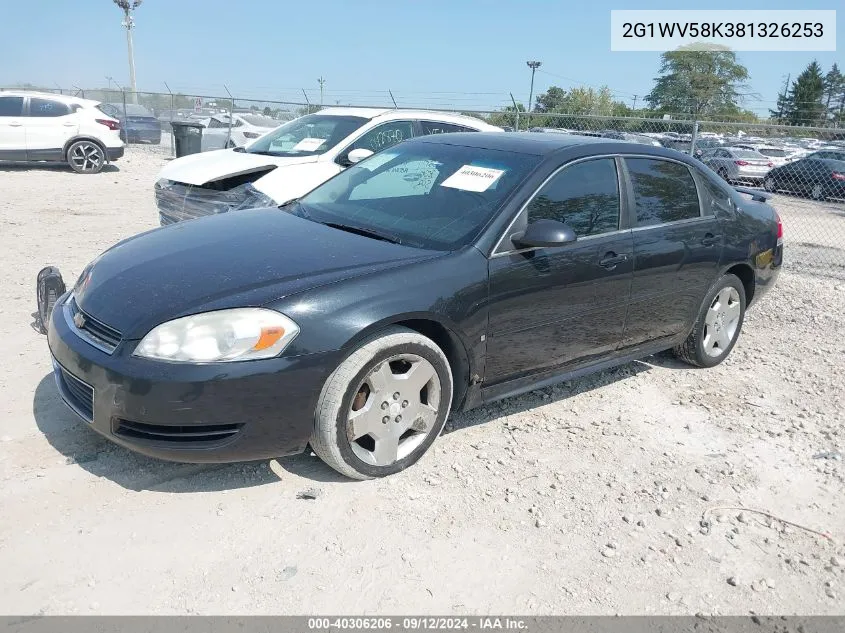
{"x":820,"y":175}
{"x":137,"y":124}
{"x":438,"y":275}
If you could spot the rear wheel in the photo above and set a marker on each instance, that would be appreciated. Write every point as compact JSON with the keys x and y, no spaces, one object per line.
{"x":384,"y":406}
{"x":817,"y":192}
{"x":718,"y":325}
{"x":86,"y":157}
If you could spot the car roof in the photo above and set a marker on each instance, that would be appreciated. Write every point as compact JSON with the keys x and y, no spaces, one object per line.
{"x":544,"y":144}
{"x":48,"y":95}
{"x":389,"y":114}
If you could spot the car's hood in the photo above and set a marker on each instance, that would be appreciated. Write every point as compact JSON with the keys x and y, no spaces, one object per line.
{"x":205,"y":167}
{"x":232,"y":260}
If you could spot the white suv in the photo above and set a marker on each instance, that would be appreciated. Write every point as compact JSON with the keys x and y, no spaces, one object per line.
{"x":291,"y":160}
{"x":38,"y":126}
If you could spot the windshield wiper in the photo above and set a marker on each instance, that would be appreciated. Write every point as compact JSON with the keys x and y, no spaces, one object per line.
{"x":240,"y":148}
{"x":358,"y":230}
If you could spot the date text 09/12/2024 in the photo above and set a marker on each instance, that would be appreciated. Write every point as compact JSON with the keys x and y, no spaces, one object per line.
{"x":416,"y":623}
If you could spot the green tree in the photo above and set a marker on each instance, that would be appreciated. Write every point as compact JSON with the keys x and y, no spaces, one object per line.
{"x":805,"y":97}
{"x":698,"y":83}
{"x":834,"y":92}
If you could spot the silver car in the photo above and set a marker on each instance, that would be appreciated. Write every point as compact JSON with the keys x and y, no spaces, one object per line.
{"x":736,"y":164}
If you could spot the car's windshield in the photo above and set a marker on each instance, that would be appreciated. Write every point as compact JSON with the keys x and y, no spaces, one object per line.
{"x":428,"y":195}
{"x":306,"y":136}
{"x":261,"y":121}
{"x":772,"y":151}
{"x":747,"y":153}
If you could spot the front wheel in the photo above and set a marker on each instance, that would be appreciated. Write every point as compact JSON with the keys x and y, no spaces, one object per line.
{"x":384,"y":406}
{"x":718,"y":325}
{"x":817,"y":192}
{"x":770,"y":185}
{"x":86,"y":157}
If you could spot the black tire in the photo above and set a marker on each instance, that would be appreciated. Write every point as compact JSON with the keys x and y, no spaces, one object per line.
{"x":818,"y":193}
{"x":692,"y":350}
{"x":86,"y":157}
{"x":330,"y":439}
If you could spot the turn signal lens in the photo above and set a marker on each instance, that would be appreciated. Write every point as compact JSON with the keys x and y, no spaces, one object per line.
{"x":269,"y":336}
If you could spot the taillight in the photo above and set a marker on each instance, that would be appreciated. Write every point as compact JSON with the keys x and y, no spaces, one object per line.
{"x":112,"y":125}
{"x":838,"y":175}
{"x":780,"y":228}
{"x":741,"y":163}
{"x":251,"y":134}
{"x":771,"y":164}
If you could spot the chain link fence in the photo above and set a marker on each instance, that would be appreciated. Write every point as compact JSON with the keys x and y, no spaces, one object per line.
{"x":802,"y":167}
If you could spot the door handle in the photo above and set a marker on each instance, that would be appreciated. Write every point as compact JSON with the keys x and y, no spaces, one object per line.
{"x":15,"y":123}
{"x":611,"y":260}
{"x":69,"y":124}
{"x":709,"y":239}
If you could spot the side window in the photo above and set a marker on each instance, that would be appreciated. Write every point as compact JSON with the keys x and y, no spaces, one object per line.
{"x":216,"y":123}
{"x":384,"y":136}
{"x":433,"y":127}
{"x":413,"y":178}
{"x":663,"y":191}
{"x":47,"y":108}
{"x":585,"y":196}
{"x":11,"y":106}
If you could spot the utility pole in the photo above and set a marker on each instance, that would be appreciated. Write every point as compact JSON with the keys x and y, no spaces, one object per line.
{"x":533,"y":66}
{"x":635,"y":103}
{"x":128,"y":23}
{"x":322,"y":82}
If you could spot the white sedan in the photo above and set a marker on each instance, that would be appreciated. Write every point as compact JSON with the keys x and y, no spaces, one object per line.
{"x":291,"y":160}
{"x":245,"y":129}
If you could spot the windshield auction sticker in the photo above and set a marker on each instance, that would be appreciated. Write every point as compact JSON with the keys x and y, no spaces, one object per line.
{"x":308,"y":144}
{"x":740,"y":30}
{"x":473,"y":178}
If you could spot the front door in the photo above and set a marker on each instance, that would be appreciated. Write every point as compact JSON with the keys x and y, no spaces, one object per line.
{"x":12,"y":130}
{"x":556,"y":307}
{"x":677,"y":249}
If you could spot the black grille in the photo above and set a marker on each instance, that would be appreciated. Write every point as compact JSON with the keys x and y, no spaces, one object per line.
{"x":80,"y":395}
{"x":184,"y":434}
{"x":98,"y":331}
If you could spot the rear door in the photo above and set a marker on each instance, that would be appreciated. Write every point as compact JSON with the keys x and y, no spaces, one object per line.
{"x":49,"y":125}
{"x":677,"y":249}
{"x":12,"y":130}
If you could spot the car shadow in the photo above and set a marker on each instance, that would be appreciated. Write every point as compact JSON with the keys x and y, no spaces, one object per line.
{"x":555,"y":393}
{"x":83,"y":447}
{"x":14,"y":166}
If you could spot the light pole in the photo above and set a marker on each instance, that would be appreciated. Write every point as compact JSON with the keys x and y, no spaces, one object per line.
{"x":128,"y":23}
{"x":533,"y":66}
{"x":322,"y":82}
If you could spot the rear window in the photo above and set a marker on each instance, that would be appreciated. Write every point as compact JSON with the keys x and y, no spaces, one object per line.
{"x":131,"y":109}
{"x":747,"y":153}
{"x":261,"y":121}
{"x":777,"y":153}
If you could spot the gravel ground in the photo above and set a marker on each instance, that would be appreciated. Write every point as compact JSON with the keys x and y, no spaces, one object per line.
{"x":616,"y":493}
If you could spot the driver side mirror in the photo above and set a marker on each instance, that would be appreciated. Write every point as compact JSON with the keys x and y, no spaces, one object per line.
{"x":357,"y":155}
{"x":544,"y":234}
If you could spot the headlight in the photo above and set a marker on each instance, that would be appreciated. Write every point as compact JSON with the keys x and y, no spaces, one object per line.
{"x":225,"y":335}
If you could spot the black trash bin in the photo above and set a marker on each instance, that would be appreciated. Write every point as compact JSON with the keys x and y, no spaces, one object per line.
{"x":188,"y":137}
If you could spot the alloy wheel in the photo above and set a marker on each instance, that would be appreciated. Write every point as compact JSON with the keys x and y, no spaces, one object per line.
{"x":86,"y":157}
{"x":721,"y":322}
{"x":394,"y":409}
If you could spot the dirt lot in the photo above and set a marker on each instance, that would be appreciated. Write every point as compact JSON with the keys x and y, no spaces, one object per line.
{"x":586,"y":498}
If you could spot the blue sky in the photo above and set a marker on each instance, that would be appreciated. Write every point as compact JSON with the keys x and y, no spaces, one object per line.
{"x":440,"y":53}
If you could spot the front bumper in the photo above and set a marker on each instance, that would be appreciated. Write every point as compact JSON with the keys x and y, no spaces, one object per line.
{"x":214,"y":412}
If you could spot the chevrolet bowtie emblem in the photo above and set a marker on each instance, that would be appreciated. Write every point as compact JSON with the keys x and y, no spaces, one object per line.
{"x":79,"y":320}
